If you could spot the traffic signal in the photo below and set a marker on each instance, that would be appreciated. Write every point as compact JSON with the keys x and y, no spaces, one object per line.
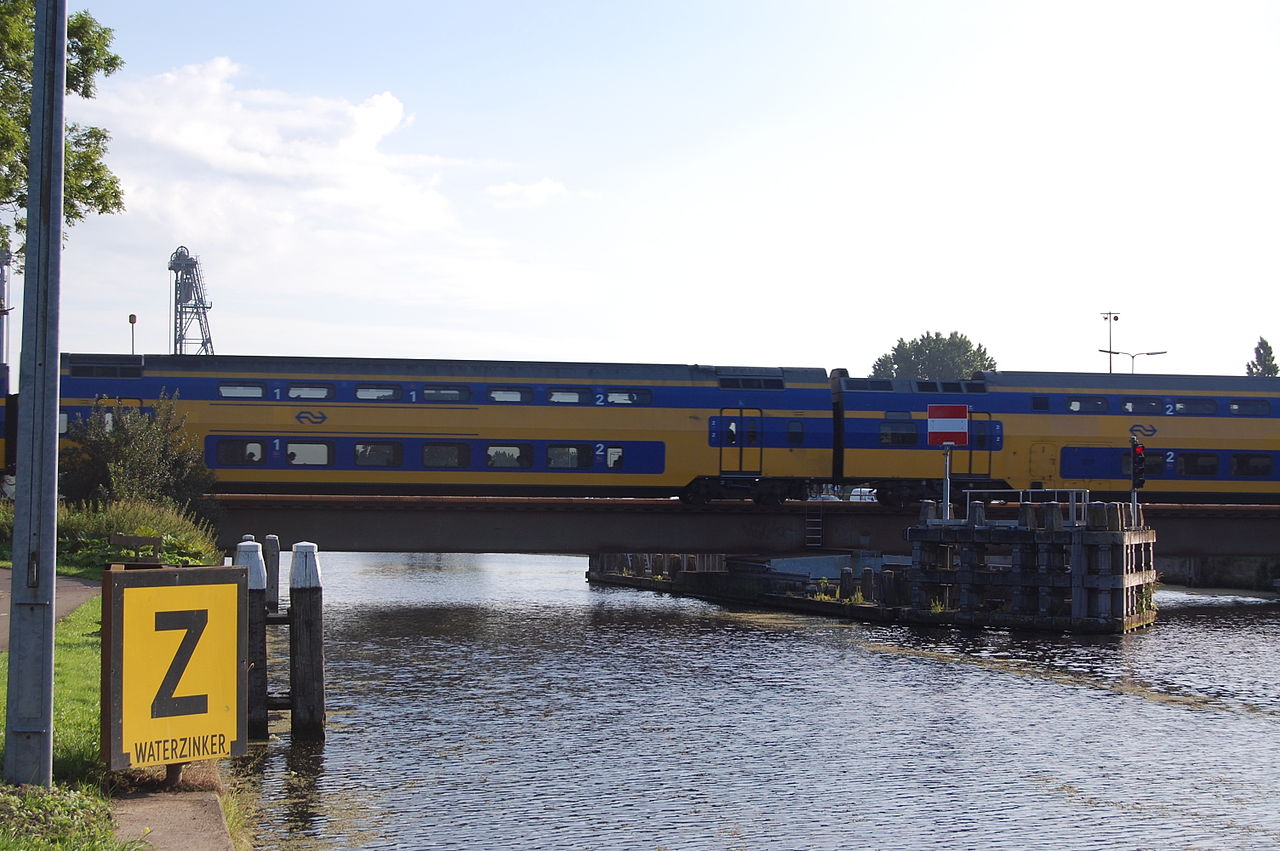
{"x":1139,"y":465}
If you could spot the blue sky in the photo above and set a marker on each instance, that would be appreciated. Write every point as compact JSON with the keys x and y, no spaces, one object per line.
{"x":766,"y":183}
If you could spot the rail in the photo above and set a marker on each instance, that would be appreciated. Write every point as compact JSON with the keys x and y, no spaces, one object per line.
{"x":1076,"y":500}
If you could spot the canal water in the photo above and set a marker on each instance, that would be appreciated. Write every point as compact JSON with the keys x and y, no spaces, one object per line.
{"x":499,"y":702}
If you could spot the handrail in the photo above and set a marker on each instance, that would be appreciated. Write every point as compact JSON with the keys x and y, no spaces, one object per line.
{"x":1076,"y":499}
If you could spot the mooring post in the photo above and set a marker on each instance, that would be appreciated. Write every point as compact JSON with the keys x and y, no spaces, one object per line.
{"x":306,"y":644}
{"x":249,"y":555}
{"x":271,"y":555}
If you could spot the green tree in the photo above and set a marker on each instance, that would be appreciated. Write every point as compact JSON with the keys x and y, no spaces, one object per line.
{"x":933,"y":356}
{"x":89,"y":186}
{"x":121,"y":454}
{"x":1264,"y":360}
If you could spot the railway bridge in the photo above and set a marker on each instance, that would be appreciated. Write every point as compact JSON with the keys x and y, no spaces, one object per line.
{"x":1197,"y":543}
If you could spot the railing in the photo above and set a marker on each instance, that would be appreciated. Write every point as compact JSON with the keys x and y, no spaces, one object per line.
{"x":1076,"y":500}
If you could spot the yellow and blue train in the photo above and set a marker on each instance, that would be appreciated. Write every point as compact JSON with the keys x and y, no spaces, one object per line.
{"x":384,"y":426}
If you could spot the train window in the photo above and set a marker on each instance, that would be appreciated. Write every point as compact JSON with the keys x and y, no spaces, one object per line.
{"x":446,"y":455}
{"x":509,"y":455}
{"x":576,"y":456}
{"x":1039,"y":403}
{"x":381,"y":454}
{"x":446,"y":393}
{"x":1249,"y":408}
{"x":752,"y":383}
{"x":231,"y":452}
{"x":308,"y":454}
{"x":952,"y":387}
{"x":613,"y":457}
{"x":629,"y":397}
{"x":310,"y":391}
{"x":242,"y":391}
{"x":795,"y":432}
{"x":1143,"y":405}
{"x":1197,"y":464}
{"x":1195,"y":407}
{"x":926,"y":386}
{"x":898,"y":433}
{"x":975,"y":387}
{"x":568,"y":395}
{"x":980,"y":434}
{"x":1251,"y":465}
{"x":1086,"y":404}
{"x":510,"y":394}
{"x":379,"y":392}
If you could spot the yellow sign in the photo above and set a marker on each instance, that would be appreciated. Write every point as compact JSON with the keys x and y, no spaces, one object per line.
{"x":174,"y":686}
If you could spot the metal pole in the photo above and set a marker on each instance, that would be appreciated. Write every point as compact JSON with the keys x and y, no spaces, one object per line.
{"x":29,"y":734}
{"x":946,"y":480}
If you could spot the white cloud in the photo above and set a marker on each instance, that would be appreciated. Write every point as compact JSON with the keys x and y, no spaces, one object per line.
{"x":515,"y":195}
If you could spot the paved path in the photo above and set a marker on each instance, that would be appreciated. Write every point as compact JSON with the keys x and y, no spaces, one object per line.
{"x":168,"y":821}
{"x":69,"y":594}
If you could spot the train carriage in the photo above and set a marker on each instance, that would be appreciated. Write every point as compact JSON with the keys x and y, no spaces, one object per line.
{"x":1207,"y":438}
{"x":356,"y":425}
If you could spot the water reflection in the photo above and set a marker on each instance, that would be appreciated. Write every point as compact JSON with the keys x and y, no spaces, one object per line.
{"x":499,"y":702}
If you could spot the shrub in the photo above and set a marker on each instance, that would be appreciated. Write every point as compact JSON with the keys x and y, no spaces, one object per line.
{"x":120,"y":453}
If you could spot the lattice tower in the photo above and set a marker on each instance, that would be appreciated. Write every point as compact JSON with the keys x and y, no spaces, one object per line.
{"x":190,"y":305}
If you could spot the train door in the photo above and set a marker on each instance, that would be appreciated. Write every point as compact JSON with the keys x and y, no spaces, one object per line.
{"x":741,"y":440}
{"x":1043,"y":464}
{"x":976,"y":460}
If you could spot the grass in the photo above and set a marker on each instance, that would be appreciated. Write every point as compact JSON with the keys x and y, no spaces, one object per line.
{"x":84,"y":535}
{"x":76,"y":812}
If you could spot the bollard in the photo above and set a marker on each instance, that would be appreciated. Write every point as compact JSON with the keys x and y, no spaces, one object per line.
{"x":306,"y":644}
{"x":271,"y":555}
{"x":249,"y":554}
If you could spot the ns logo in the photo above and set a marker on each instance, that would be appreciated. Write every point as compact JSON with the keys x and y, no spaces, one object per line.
{"x":1139,"y":430}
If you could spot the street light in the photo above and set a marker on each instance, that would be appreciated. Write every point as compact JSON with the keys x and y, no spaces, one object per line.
{"x":1133,"y":356}
{"x":1111,"y":319}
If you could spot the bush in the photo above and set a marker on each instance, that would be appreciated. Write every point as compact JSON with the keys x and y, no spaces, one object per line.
{"x":84,"y":535}
{"x":120,"y":453}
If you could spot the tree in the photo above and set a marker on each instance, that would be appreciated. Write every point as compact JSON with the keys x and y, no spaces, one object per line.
{"x":121,"y":454}
{"x":89,"y":186}
{"x":1264,"y":360}
{"x":933,"y":356}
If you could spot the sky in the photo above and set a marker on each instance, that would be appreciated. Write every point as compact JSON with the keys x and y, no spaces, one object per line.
{"x":733,"y":182}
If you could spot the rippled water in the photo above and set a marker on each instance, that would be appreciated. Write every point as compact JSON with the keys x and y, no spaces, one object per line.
{"x":499,"y":702}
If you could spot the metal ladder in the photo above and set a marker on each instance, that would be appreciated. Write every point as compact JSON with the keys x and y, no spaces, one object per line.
{"x":813,"y":529}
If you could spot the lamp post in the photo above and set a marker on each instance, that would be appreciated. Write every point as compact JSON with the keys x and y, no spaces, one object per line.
{"x":133,"y":321}
{"x":1111,"y":319}
{"x":1133,"y":356}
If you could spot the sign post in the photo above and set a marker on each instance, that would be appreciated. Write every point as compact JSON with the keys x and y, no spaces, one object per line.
{"x":174,"y":665}
{"x":948,"y":428}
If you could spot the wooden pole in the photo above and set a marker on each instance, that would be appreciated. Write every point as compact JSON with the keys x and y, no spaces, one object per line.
{"x":249,"y":554}
{"x":271,"y":555}
{"x":306,"y":644}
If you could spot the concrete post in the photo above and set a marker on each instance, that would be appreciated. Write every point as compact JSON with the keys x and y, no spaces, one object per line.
{"x":29,"y":711}
{"x":306,"y":644}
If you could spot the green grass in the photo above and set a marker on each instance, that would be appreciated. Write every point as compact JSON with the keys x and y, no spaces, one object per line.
{"x":76,"y":812}
{"x":84,"y":535}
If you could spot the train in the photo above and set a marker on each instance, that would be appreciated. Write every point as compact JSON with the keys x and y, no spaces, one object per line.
{"x":319,"y":425}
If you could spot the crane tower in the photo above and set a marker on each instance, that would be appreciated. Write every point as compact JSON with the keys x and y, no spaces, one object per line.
{"x":190,"y":306}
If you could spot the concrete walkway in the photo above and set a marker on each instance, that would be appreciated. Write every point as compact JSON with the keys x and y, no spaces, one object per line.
{"x":69,"y":594}
{"x":168,"y":821}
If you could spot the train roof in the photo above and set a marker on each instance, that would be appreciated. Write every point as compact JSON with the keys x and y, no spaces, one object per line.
{"x":1031,"y":381}
{"x":83,"y":363}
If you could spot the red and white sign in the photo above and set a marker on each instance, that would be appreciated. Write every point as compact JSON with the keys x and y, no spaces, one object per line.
{"x":948,"y":424}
